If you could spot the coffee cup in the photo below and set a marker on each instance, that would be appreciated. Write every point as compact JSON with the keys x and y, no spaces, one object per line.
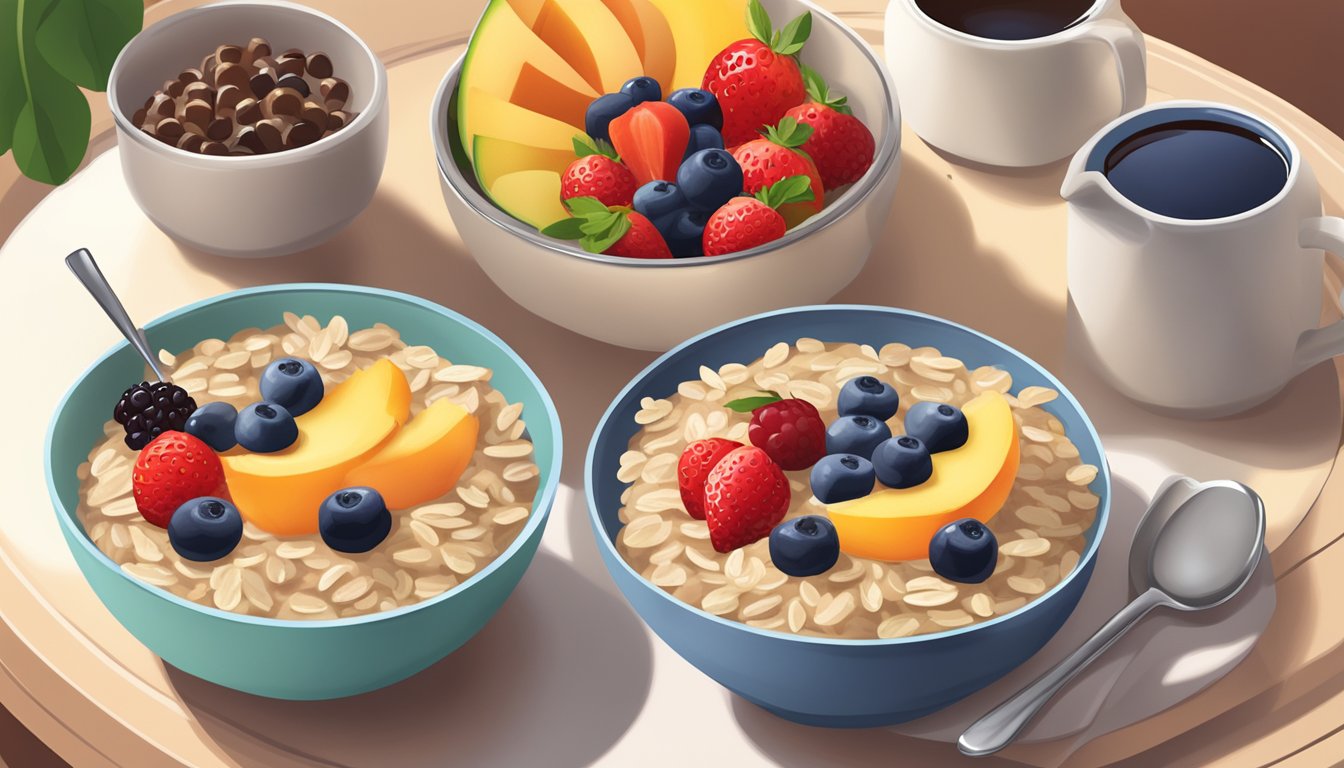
{"x":1013,"y":82}
{"x":1195,"y":258}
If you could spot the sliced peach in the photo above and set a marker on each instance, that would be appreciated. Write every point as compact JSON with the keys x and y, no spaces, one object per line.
{"x":652,"y":35}
{"x":424,"y":460}
{"x":651,"y":139}
{"x":971,"y":481}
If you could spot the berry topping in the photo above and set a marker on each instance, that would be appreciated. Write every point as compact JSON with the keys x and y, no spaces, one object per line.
{"x":940,"y":426}
{"x":757,"y":80}
{"x":700,"y":108}
{"x":597,"y":173}
{"x":747,"y":222}
{"x":746,"y":494}
{"x":902,"y":462}
{"x":859,"y":435}
{"x":766,"y":161}
{"x":790,"y":431}
{"x":651,"y":139}
{"x":205,"y":529}
{"x":804,"y":546}
{"x":354,"y":520}
{"x":709,"y":178}
{"x":684,"y":231}
{"x":841,"y":145}
{"x":658,"y":200}
{"x":703,"y":137}
{"x":604,"y":109}
{"x":172,"y":470}
{"x":613,"y":230}
{"x":147,"y":410}
{"x":212,"y":424}
{"x":642,"y":89}
{"x":265,"y":427}
{"x":292,"y":383}
{"x":965,"y":551}
{"x":842,"y":477}
{"x":693,"y":469}
{"x":868,"y":396}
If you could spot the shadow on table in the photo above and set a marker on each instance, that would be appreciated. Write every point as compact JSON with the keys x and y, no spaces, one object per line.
{"x":555,"y":679}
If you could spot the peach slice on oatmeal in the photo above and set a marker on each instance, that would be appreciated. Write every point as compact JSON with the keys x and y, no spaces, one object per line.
{"x":424,"y":460}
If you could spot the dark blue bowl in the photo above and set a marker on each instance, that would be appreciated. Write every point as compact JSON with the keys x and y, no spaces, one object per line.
{"x":819,"y":681}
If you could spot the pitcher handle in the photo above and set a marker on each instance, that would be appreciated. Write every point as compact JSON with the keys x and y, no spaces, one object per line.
{"x":1320,"y":344}
{"x":1126,"y":43}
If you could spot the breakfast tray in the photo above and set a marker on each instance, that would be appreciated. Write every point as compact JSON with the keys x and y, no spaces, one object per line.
{"x":566,"y":675}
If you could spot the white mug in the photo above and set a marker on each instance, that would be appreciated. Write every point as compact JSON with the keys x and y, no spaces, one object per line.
{"x":1014,"y":102}
{"x":1204,"y":317}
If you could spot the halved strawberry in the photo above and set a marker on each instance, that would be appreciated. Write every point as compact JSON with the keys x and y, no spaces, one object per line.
{"x":613,"y":230}
{"x":777,"y":156}
{"x":651,"y":139}
{"x":746,"y":222}
{"x":693,"y":469}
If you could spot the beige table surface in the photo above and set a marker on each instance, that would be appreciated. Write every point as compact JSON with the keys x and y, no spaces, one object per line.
{"x":566,"y":675}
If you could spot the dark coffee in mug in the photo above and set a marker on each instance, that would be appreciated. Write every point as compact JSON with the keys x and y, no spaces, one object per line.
{"x":1197,"y":169}
{"x":1007,"y":19}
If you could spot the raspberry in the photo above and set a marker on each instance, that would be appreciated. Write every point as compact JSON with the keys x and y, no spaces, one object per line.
{"x":790,"y":432}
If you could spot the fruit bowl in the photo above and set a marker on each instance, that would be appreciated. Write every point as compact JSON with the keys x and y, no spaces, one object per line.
{"x":654,"y":303}
{"x":317,"y":659}
{"x":826,"y":681}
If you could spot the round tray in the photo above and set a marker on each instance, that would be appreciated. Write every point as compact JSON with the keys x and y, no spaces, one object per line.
{"x":566,"y":675}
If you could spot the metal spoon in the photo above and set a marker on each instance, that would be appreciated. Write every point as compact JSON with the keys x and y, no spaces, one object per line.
{"x":1197,"y":546}
{"x":86,"y":269}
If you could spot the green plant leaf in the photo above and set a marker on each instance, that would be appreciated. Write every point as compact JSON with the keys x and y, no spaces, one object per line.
{"x":818,"y":91}
{"x":585,"y":206}
{"x":599,"y":224}
{"x":758,"y":22}
{"x":749,"y":404}
{"x":51,"y":131}
{"x":564,"y":229}
{"x":789,"y":133}
{"x":794,"y":189}
{"x":794,"y":35}
{"x":80,"y":39}
{"x":600,"y":244}
{"x":13,"y":95}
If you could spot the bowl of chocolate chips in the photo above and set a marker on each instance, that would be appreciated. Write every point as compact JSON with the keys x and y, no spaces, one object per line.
{"x":250,"y":129}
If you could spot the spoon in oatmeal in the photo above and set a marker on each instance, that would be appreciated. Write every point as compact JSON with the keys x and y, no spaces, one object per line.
{"x":86,"y":269}
{"x":1197,"y":546}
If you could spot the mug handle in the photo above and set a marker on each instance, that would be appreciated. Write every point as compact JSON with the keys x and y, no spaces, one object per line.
{"x":1126,"y":43}
{"x":1320,"y":344}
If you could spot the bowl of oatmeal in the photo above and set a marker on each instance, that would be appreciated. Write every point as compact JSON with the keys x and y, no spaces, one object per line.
{"x":713,"y":492}
{"x":337,"y":487}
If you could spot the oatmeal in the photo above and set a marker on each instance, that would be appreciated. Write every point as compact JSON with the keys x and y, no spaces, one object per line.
{"x":1040,"y":529}
{"x":430,"y":547}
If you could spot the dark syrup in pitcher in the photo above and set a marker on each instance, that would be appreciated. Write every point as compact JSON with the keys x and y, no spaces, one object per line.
{"x":1007,"y":19}
{"x":1197,"y":169}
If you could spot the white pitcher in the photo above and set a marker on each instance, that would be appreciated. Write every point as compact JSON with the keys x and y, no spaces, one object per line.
{"x":1206,"y":317}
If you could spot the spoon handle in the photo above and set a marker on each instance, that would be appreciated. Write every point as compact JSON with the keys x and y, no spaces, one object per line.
{"x":86,"y":269}
{"x":997,"y":729}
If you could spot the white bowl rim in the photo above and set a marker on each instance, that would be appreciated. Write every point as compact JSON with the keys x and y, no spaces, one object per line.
{"x":884,"y":162}
{"x":541,"y":504}
{"x":377,"y":98}
{"x":1087,"y":557}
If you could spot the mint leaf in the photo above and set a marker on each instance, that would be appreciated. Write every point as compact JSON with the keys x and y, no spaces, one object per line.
{"x":599,"y":224}
{"x":789,"y":133}
{"x":565,"y":229}
{"x":794,"y":189}
{"x":758,"y":22}
{"x":818,"y":91}
{"x":600,"y":244}
{"x":81,"y":38}
{"x":749,"y":404}
{"x":583,"y":146}
{"x":794,"y":35}
{"x":585,"y":206}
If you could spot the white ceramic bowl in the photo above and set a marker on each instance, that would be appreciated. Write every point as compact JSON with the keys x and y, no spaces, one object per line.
{"x":655,"y":304}
{"x":265,"y":205}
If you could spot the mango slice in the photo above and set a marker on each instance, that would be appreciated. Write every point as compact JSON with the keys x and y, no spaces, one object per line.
{"x":702,"y":28}
{"x":652,"y":35}
{"x":424,"y":460}
{"x":281,"y":492}
{"x":971,"y":481}
{"x":501,"y":157}
{"x":587,"y":36}
{"x":531,"y":196}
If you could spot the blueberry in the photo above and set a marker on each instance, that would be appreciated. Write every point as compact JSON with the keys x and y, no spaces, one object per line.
{"x":703,"y":137}
{"x":842,"y":477}
{"x":212,"y":424}
{"x":205,"y":529}
{"x":699,"y":106}
{"x":942,"y":427}
{"x":709,"y":178}
{"x":642,"y":89}
{"x":804,"y":546}
{"x":658,"y":200}
{"x":684,"y":232}
{"x":964,"y":551}
{"x":868,"y":396}
{"x":902,"y":462}
{"x":354,"y":519}
{"x":293,"y":383}
{"x":602,"y":111}
{"x":859,"y":435}
{"x":265,"y":428}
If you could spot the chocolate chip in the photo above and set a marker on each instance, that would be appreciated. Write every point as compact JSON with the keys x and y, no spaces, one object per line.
{"x":282,"y":101}
{"x":256,"y":48}
{"x":169,"y":129}
{"x":199,"y":92}
{"x":138,"y":116}
{"x":229,"y":54}
{"x":247,"y":112}
{"x":290,"y":66}
{"x":232,"y":74}
{"x":174,"y":88}
{"x":261,"y":84}
{"x":290,"y":53}
{"x":319,"y":65}
{"x":190,"y":141}
{"x":339,"y":119}
{"x":296,"y":82}
{"x":216,"y":148}
{"x":334,"y":89}
{"x":219,"y":129}
{"x":314,"y":113}
{"x":301,"y":134}
{"x":226,"y":100}
{"x":197,"y":113}
{"x":271,"y":133}
{"x":249,"y":139}
{"x":162,"y":105}
{"x":190,"y":75}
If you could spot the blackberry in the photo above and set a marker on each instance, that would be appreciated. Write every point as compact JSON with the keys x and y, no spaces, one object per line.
{"x":148,"y":410}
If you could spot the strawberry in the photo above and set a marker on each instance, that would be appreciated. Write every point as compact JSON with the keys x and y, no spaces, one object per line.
{"x":746,"y":495}
{"x":614,"y":230}
{"x":840,"y":144}
{"x":757,"y":79}
{"x":775,"y":157}
{"x":746,"y":222}
{"x":789,"y":430}
{"x":694,"y":467}
{"x":597,"y":173}
{"x":172,"y":469}
{"x":651,"y":137}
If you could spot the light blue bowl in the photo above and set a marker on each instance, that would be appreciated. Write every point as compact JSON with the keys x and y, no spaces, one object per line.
{"x":300,"y":659}
{"x":819,"y":681}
